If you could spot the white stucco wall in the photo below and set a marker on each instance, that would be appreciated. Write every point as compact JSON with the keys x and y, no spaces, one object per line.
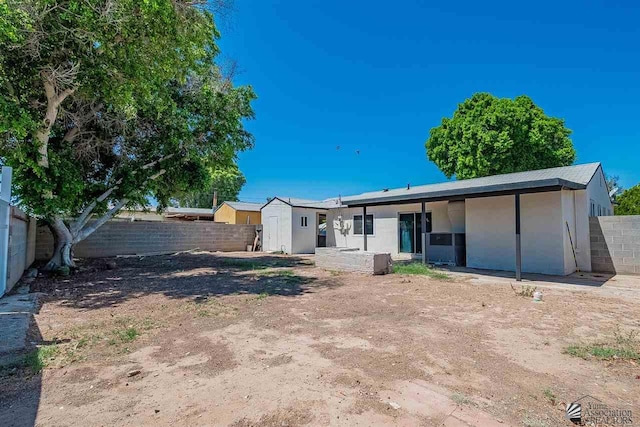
{"x":575,"y":210}
{"x":543,"y":233}
{"x":490,"y":233}
{"x":598,"y":192}
{"x":276,"y":226}
{"x":582,"y":241}
{"x":305,"y":238}
{"x":385,"y":226}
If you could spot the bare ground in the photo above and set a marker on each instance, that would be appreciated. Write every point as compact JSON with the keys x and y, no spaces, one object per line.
{"x":219,"y":343}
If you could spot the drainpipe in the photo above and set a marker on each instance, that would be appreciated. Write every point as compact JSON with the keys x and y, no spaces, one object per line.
{"x":518,"y":248}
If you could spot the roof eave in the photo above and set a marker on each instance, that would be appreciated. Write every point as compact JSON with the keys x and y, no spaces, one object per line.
{"x":554,"y":184}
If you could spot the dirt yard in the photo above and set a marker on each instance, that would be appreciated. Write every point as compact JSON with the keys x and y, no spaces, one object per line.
{"x":242,"y":340}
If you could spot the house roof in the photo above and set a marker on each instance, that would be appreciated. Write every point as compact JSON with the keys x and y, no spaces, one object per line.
{"x":244,"y":206}
{"x":305,"y":203}
{"x":573,"y":177}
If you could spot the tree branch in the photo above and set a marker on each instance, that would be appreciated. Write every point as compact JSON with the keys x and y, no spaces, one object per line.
{"x":53,"y":105}
{"x":71,"y":134}
{"x":82,"y":220}
{"x":106,"y":217}
{"x":155,"y":162}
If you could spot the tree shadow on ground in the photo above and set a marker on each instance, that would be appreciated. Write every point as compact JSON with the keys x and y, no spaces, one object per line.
{"x":20,"y":384}
{"x":184,"y":276}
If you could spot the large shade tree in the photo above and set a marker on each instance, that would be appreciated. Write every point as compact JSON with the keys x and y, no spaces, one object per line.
{"x":628,"y":202}
{"x":489,"y":135}
{"x":225,"y":182}
{"x":111,"y":103}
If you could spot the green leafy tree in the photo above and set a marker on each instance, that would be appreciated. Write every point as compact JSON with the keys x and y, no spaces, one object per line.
{"x":628,"y":203}
{"x":108,"y":103}
{"x":227,"y":182}
{"x":489,"y":135}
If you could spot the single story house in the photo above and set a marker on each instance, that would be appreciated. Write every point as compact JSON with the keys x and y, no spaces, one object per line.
{"x":238,"y":213}
{"x":295,"y":226}
{"x":535,"y":221}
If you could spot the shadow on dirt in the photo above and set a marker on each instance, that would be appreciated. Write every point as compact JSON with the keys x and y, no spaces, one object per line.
{"x":21,"y":384}
{"x":188,"y":276}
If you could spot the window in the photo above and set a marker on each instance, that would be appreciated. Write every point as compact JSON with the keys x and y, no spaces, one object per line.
{"x":304,"y":221}
{"x":357,"y":224}
{"x":592,"y":208}
{"x":599,"y":210}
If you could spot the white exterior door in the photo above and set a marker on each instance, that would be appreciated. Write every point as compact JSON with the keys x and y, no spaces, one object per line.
{"x":273,"y":234}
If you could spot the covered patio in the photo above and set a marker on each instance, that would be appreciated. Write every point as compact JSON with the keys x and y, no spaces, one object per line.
{"x":550,"y":205}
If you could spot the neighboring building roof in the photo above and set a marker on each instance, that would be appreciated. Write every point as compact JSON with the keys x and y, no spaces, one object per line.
{"x":304,"y":203}
{"x":573,"y":177}
{"x":189,"y":211}
{"x":244,"y":206}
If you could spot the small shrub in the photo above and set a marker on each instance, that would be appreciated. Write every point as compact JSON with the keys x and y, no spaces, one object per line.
{"x":419,"y":268}
{"x":41,"y":357}
{"x":124,"y":335}
{"x":36,"y":360}
{"x":548,"y":393}
{"x":524,"y":291}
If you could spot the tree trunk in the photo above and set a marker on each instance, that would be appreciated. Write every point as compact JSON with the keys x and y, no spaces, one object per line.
{"x":63,"y":246}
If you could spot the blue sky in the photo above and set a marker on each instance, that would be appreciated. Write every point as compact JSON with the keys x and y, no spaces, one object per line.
{"x":376,"y":76}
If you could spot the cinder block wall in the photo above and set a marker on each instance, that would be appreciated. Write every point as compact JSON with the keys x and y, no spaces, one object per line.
{"x":129,"y":238}
{"x":22,"y":235}
{"x":615,"y":244}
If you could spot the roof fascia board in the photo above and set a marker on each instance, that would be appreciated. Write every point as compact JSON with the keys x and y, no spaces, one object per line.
{"x":275,"y":198}
{"x":552,"y":185}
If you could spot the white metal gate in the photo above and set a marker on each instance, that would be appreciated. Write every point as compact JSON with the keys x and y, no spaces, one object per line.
{"x":5,"y":218}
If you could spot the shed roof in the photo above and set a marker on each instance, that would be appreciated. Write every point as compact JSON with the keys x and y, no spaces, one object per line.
{"x":245,"y":206}
{"x":573,"y":177}
{"x":305,"y":203}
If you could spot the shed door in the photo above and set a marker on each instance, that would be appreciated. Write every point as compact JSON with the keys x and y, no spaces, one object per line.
{"x":273,"y":233}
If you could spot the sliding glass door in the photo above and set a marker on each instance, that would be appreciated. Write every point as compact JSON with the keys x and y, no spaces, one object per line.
{"x":407,"y":231}
{"x":410,"y":232}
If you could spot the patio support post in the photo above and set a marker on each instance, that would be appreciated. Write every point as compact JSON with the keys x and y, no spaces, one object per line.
{"x":423,"y":234}
{"x":518,"y":248}
{"x":364,"y":226}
